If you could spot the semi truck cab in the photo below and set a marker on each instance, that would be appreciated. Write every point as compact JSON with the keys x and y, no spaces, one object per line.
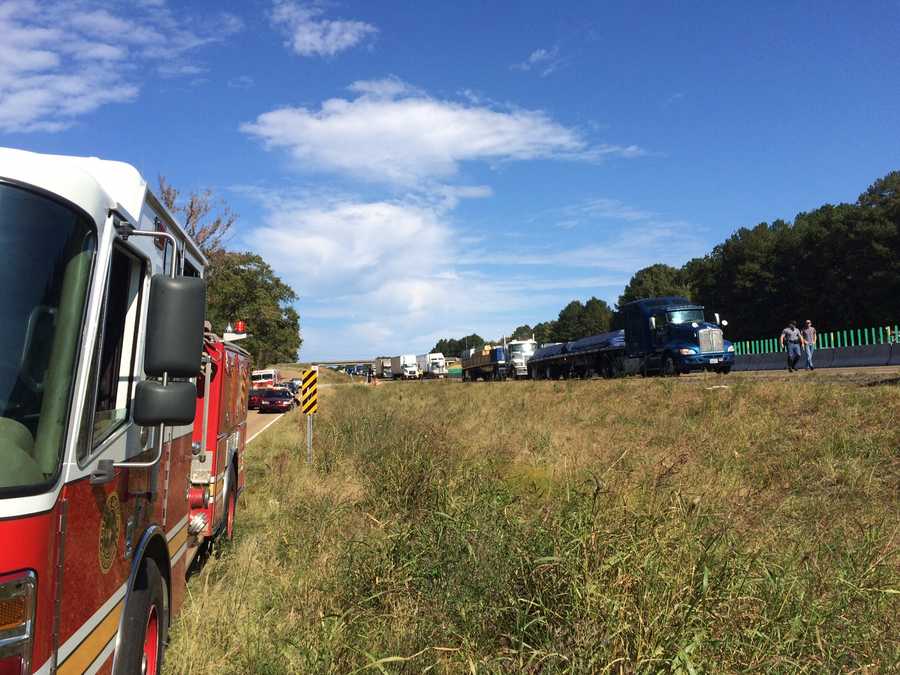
{"x":520,"y":352}
{"x":670,"y":335}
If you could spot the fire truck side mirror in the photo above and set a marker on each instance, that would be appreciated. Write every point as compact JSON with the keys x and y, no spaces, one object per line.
{"x":175,"y":319}
{"x":174,"y":404}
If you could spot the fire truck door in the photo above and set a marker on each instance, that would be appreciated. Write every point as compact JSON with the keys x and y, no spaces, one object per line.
{"x":106,"y":512}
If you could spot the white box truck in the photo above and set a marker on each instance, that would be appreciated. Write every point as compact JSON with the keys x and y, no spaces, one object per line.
{"x":432,"y":365}
{"x":404,"y":367}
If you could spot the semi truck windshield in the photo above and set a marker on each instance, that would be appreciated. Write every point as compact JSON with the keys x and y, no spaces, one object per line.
{"x":48,"y":251}
{"x":686,"y":316}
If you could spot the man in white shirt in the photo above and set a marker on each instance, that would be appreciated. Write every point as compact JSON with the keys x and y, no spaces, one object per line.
{"x":808,"y":336}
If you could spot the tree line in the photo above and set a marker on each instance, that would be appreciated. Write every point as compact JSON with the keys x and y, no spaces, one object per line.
{"x":240,"y":284}
{"x":838,"y":265}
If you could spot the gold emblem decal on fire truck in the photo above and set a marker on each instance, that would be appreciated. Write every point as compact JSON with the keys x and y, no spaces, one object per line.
{"x":110,"y":527}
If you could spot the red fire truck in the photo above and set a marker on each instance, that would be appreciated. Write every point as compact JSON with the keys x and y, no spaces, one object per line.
{"x":122,"y":417}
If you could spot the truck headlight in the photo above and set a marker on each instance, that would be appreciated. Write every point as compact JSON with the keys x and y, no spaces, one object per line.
{"x":687,"y":351}
{"x":17,"y":599}
{"x":730,"y":348}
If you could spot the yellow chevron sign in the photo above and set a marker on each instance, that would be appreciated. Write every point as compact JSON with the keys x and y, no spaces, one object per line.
{"x":309,"y":392}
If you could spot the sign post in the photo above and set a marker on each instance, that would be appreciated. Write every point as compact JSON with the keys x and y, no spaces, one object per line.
{"x":309,"y":404}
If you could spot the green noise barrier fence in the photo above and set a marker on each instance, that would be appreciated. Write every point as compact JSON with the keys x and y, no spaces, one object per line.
{"x":858,"y":337}
{"x":851,"y":348}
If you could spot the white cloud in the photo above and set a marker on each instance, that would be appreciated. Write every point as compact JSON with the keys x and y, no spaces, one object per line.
{"x":60,"y":60}
{"x":352,"y":247}
{"x":393,"y":133}
{"x":382,"y":271}
{"x":543,"y":61}
{"x":394,"y":276}
{"x":309,"y":34}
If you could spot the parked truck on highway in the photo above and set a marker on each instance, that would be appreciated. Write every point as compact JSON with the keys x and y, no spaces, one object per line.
{"x":404,"y":367}
{"x":383,"y":368}
{"x":486,"y":362}
{"x":432,"y":366}
{"x":666,"y":336}
{"x":520,"y":353}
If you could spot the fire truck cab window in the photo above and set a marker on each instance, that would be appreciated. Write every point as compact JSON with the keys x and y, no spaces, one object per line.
{"x":48,"y":251}
{"x":113,"y":367}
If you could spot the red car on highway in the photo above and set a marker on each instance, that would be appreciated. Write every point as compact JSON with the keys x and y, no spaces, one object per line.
{"x":256,"y":395}
{"x":276,"y":400}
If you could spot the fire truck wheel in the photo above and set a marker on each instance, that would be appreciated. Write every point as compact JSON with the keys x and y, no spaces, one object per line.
{"x":146,"y":624}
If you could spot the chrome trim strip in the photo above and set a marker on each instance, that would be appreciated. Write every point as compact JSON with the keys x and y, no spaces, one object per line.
{"x":60,"y":567}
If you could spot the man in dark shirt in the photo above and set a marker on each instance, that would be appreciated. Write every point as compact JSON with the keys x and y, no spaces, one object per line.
{"x":792,"y":340}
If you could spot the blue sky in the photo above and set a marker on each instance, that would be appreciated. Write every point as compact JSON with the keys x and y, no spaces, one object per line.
{"x":420,"y":170}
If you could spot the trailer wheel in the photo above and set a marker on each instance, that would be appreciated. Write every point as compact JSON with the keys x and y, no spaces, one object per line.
{"x":668,"y":367}
{"x":606,"y":369}
{"x":146,"y":624}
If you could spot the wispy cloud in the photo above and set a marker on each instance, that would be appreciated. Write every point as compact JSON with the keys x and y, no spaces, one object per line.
{"x":542,"y":61}
{"x":677,"y":96}
{"x":309,"y":33}
{"x":625,"y":253}
{"x":61,"y":60}
{"x":241,"y":82}
{"x":595,"y":210}
{"x":393,"y":133}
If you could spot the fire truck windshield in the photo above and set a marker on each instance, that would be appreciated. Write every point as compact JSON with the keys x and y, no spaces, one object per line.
{"x":48,"y":249}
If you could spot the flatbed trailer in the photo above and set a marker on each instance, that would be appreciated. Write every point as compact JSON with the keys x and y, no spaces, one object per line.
{"x":487,"y":363}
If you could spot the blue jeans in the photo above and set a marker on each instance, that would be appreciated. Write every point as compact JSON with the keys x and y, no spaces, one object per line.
{"x":810,"y":348}
{"x":793,"y":354}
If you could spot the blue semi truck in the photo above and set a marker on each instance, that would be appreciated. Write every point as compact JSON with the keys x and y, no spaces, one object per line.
{"x":486,"y":362}
{"x":666,"y":336}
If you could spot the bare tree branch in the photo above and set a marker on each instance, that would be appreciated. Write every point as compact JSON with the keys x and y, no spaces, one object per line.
{"x":206,"y":219}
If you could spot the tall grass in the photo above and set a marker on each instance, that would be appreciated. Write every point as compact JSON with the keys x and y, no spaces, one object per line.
{"x":550,"y":527}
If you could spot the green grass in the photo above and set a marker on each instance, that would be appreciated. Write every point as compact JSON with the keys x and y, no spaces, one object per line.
{"x":550,"y":527}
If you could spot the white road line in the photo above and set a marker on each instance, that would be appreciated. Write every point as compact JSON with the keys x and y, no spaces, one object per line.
{"x":264,"y":428}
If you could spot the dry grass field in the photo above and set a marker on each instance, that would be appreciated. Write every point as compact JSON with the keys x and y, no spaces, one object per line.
{"x":564,"y":527}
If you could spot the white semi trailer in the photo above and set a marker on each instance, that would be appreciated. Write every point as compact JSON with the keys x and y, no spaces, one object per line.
{"x":432,"y":365}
